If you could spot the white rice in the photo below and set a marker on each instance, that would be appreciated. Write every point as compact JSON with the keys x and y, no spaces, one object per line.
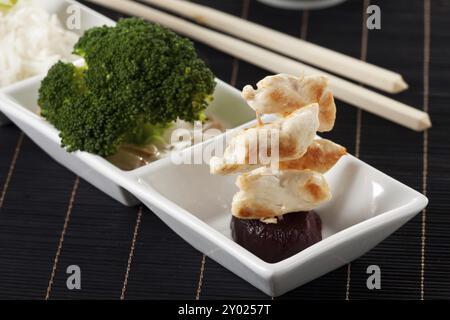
{"x":31,"y":41}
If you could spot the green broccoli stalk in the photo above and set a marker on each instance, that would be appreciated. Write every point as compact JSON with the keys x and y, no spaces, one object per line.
{"x":137,"y":79}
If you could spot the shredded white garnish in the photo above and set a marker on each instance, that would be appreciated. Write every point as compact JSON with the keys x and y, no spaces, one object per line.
{"x":31,"y":41}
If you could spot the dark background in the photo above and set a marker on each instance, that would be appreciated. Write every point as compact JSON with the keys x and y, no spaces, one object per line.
{"x":50,"y":220}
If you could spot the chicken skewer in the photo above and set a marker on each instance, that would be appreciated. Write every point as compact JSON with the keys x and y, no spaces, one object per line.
{"x":305,"y":106}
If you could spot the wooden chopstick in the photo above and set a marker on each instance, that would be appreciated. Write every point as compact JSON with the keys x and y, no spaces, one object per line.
{"x":344,"y":90}
{"x":310,"y":53}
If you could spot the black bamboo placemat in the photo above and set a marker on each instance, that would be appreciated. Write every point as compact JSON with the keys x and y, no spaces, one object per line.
{"x":49,"y":219}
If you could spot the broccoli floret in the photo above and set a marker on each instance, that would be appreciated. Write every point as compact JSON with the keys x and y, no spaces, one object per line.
{"x":138,"y":77}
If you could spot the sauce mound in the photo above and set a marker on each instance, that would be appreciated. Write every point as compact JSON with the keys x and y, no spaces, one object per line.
{"x":273,"y":242}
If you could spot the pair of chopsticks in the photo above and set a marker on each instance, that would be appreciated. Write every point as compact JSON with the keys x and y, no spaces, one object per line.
{"x":344,"y":90}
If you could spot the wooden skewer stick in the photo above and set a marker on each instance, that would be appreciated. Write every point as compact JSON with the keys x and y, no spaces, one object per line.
{"x":344,"y":90}
{"x":259,"y":122}
{"x":324,"y":58}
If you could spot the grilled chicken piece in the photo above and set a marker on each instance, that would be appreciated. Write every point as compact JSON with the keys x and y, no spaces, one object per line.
{"x":264,"y":194}
{"x":296,"y":132}
{"x":321,"y":156}
{"x":283,"y":94}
